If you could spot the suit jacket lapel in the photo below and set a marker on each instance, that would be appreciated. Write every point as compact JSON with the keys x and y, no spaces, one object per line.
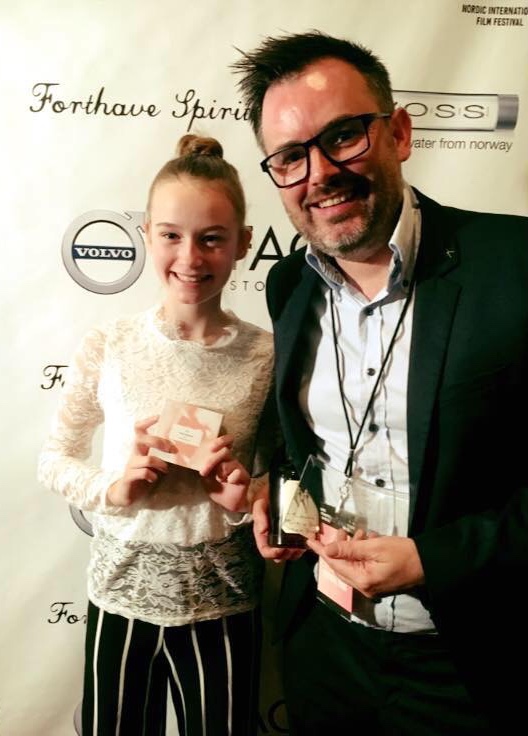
{"x":289,"y":363}
{"x":434,"y":308}
{"x":290,"y":323}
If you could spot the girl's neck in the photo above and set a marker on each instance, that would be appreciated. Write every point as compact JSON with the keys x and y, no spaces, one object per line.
{"x":205,"y":326}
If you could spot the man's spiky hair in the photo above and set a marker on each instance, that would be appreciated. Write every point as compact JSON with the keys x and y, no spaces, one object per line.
{"x":278,"y":58}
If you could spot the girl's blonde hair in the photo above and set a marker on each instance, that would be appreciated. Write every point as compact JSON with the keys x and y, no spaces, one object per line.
{"x":203,"y":158}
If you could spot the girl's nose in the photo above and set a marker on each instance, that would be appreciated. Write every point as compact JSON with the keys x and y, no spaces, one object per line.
{"x":190,"y":252}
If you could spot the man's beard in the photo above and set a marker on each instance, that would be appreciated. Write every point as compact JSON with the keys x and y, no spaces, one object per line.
{"x":348,"y":243}
{"x":368,"y":229}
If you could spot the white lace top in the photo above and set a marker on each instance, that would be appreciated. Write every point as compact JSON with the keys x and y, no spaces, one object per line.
{"x":174,"y":556}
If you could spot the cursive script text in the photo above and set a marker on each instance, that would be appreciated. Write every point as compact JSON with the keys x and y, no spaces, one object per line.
{"x":53,"y":374}
{"x":47,"y":99}
{"x":61,"y":613}
{"x":190,"y":107}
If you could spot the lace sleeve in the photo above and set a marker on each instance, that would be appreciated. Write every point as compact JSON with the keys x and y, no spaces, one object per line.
{"x":63,"y":462}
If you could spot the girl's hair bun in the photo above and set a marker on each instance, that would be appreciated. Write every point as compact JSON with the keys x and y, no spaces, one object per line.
{"x":195,"y":145}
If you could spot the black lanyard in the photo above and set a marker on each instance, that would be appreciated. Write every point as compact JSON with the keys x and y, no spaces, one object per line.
{"x":354,"y":443}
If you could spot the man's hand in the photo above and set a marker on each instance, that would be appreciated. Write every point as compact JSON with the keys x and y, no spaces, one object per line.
{"x":261,"y":530}
{"x":373,"y":565}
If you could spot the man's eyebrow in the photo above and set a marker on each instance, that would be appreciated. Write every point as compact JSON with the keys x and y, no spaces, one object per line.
{"x":331,"y":124}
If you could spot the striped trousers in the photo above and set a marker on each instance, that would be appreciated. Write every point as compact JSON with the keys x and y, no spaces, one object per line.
{"x":211,"y":667}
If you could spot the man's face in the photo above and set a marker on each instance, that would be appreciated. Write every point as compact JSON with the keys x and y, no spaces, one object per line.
{"x":347,"y":211}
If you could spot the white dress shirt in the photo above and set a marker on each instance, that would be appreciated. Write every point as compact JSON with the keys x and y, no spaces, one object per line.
{"x":364,"y":330}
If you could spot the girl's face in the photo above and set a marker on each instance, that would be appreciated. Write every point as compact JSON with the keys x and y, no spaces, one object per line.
{"x":194,"y":239}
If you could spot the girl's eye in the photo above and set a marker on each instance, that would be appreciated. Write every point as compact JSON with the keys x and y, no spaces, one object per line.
{"x":169,"y":236}
{"x":212,"y":240}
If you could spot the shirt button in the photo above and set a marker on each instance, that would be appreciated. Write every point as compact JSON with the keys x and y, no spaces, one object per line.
{"x":373,"y":427}
{"x":380,"y":482}
{"x":369,"y":311}
{"x":371,"y":371}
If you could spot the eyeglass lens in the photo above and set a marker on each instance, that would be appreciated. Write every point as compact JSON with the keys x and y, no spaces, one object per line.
{"x":341,"y":142}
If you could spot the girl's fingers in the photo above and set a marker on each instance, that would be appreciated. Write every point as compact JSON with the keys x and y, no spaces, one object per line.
{"x":214,"y":460}
{"x":148,"y":461}
{"x":146,"y":442}
{"x":235,"y":476}
{"x":144,"y":424}
{"x":225,"y":440}
{"x":143,"y":474}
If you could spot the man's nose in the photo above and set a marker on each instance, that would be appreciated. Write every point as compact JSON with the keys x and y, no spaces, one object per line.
{"x":320,"y":167}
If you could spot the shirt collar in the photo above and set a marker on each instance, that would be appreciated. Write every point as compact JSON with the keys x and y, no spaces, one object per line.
{"x":403,"y":243}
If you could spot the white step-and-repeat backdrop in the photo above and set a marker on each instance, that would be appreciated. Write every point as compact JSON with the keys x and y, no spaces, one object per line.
{"x":94,"y":96}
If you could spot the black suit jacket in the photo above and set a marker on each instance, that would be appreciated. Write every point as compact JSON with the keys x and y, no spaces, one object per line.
{"x":467,"y":441}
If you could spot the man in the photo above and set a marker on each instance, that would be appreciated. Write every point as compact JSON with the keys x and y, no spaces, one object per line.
{"x":401,"y":337}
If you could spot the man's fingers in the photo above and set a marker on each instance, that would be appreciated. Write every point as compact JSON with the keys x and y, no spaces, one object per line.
{"x":259,"y":512}
{"x":335,"y":550}
{"x":260,"y":515}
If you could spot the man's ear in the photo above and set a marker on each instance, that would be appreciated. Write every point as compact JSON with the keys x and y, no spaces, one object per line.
{"x":401,"y":126}
{"x":244,"y":241}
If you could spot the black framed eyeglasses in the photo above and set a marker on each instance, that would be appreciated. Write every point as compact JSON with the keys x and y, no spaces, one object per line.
{"x":340,"y":143}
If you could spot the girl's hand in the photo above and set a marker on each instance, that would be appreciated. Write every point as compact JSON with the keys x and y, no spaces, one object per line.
{"x":142,"y":469}
{"x":226,"y":479}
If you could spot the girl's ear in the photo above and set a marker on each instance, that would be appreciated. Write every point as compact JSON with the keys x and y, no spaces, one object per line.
{"x":244,"y":241}
{"x":147,"y":230}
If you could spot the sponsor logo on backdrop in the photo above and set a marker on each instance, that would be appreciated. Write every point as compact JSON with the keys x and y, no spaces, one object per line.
{"x":483,"y":122}
{"x":496,"y":16}
{"x":81,"y":520}
{"x":83,"y":243}
{"x":268,"y":250}
{"x":78,"y":250}
{"x":454,"y":111}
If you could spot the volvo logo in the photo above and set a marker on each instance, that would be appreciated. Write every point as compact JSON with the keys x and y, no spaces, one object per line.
{"x":77,"y":249}
{"x":81,"y":520}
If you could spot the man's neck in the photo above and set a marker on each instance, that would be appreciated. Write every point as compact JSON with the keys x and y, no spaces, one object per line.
{"x":368,"y":275}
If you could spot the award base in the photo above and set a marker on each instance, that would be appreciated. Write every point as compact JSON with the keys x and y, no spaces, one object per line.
{"x":284,"y":539}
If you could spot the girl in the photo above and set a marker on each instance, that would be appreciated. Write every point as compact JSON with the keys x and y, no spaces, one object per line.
{"x":173,"y":579}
